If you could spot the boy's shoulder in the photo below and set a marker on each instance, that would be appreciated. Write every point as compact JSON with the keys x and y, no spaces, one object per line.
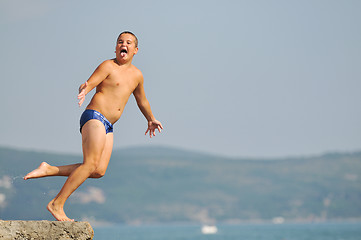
{"x":108,"y":63}
{"x":138,"y":74}
{"x":137,"y":71}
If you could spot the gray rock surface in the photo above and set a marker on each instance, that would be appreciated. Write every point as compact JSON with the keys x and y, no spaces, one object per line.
{"x":47,"y":230}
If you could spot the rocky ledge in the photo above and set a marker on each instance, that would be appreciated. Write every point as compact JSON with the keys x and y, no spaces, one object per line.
{"x":46,"y":230}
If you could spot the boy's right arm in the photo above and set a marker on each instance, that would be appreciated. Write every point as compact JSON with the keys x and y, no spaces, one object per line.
{"x":81,"y":95}
{"x":100,"y":73}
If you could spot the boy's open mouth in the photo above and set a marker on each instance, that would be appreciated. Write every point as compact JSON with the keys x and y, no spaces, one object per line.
{"x":123,"y":52}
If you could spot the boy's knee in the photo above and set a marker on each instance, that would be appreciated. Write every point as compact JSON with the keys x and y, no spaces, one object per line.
{"x":91,"y":167}
{"x":98,"y":173}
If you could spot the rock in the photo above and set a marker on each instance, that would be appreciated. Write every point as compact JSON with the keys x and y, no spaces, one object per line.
{"x":45,"y":230}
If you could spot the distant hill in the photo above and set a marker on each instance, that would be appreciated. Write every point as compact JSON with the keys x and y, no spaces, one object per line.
{"x":159,"y":184}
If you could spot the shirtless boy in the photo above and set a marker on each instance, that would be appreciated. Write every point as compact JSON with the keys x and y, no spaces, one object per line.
{"x":115,"y":80}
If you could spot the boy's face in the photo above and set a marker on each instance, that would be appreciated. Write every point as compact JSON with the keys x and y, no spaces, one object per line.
{"x":125,"y":48}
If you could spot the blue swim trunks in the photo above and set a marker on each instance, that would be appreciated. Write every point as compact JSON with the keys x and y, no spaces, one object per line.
{"x":89,"y":114}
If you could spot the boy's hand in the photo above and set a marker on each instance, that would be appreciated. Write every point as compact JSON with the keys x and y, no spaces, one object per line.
{"x":152,"y":126}
{"x":81,"y":95}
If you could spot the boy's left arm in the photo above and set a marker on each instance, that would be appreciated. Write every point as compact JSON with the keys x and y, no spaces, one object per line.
{"x":144,"y":107}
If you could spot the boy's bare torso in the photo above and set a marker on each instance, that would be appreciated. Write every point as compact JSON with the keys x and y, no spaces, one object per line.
{"x":113,"y":92}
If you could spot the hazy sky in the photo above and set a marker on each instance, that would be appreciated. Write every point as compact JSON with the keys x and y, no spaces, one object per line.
{"x":254,"y":78}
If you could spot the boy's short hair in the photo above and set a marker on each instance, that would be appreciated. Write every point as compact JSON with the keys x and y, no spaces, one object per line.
{"x":128,"y":32}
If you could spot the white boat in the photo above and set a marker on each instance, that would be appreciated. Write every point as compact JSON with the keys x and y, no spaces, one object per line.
{"x":278,"y":220}
{"x":207,"y":229}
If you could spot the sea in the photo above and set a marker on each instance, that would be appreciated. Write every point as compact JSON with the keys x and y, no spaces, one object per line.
{"x":286,"y":231}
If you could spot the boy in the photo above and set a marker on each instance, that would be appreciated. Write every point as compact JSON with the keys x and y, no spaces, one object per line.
{"x":115,"y":80}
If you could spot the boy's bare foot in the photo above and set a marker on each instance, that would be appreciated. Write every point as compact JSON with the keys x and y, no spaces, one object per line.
{"x":41,"y":171}
{"x":58,"y":212}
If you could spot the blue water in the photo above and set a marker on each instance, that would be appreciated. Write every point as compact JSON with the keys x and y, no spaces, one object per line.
{"x":317,"y":231}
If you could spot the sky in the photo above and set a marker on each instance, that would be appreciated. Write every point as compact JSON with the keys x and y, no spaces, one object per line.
{"x":235,"y":78}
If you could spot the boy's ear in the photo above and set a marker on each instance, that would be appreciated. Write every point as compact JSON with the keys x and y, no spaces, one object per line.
{"x":136,"y":50}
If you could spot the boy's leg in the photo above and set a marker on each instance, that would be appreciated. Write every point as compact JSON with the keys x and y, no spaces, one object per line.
{"x":46,"y":170}
{"x":105,"y":157}
{"x":94,"y":143}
